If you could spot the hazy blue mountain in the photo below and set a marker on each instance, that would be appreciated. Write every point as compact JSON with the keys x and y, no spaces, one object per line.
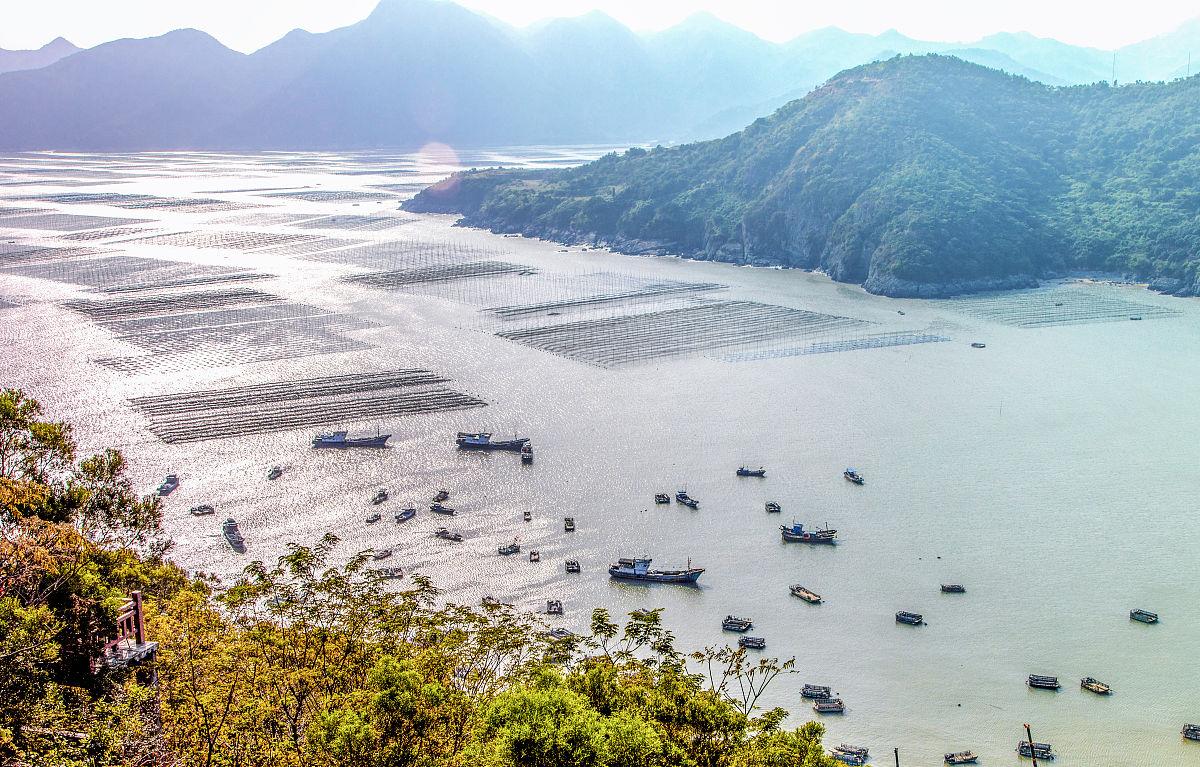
{"x":58,"y":48}
{"x":416,"y":71}
{"x":917,"y":176}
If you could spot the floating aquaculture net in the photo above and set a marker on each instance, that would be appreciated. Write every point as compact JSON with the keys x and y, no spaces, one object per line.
{"x":356,"y":222}
{"x":113,"y":271}
{"x":875,"y":341}
{"x":1061,"y":305}
{"x":334,"y":196}
{"x":650,"y":291}
{"x":65,"y":222}
{"x":243,"y":241}
{"x":403,"y":278}
{"x":105,"y":234}
{"x":270,"y":407}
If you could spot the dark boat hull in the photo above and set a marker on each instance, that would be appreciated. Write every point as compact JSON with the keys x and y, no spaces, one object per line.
{"x":374,"y":442}
{"x":807,"y":538}
{"x":682,"y":576}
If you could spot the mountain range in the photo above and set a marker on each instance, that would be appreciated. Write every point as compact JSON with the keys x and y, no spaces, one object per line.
{"x":917,"y":176}
{"x":416,"y":71}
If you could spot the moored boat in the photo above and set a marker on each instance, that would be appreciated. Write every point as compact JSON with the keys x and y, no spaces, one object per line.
{"x":797,"y":534}
{"x":1040,"y":750}
{"x":573,"y":566}
{"x":554,"y":607}
{"x":953,"y":588}
{"x":438,"y":508}
{"x":203,"y":510}
{"x":816,"y":692}
{"x":734,"y":623}
{"x":978,"y":345}
{"x":388,"y":573}
{"x":441,"y":495}
{"x":275,"y":473}
{"x":662,"y":498}
{"x":569,"y":524}
{"x":490,"y":601}
{"x":1095,"y":685}
{"x":483,"y":441}
{"x":560,"y":633}
{"x":747,"y":472}
{"x":912,"y":619}
{"x":510,"y":548}
{"x":829,"y":706}
{"x":961,"y":757}
{"x":773,"y":508}
{"x":373,"y":518}
{"x":233,"y":535}
{"x":807,"y":595}
{"x":405,"y":514}
{"x":380,"y":496}
{"x":535,"y":556}
{"x":853,"y":476}
{"x":752,"y":643}
{"x":691,"y":503}
{"x":856,"y":755}
{"x":446,"y":535}
{"x":339,"y":439}
{"x":1040,"y":682}
{"x":638,"y":569}
{"x":1143,"y":616}
{"x":527,"y":453}
{"x":381,"y":554}
{"x":527,"y":516}
{"x":1191,"y":731}
{"x":168,"y":485}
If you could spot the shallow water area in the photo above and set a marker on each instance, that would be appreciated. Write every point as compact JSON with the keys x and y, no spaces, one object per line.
{"x":1052,"y":472}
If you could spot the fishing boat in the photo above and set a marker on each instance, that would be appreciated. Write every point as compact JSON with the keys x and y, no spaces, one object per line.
{"x":381,"y":554}
{"x":339,"y":439}
{"x":691,"y":503}
{"x":168,"y":485}
{"x":560,"y":633}
{"x":853,"y":476}
{"x":752,"y":643}
{"x":441,"y":495}
{"x":912,"y":619}
{"x":483,"y":441}
{"x":734,"y":623}
{"x":638,"y":569}
{"x":527,"y":516}
{"x":662,"y":498}
{"x":573,"y":565}
{"x":535,"y":556}
{"x":388,"y":573}
{"x":438,"y":508}
{"x":961,"y":757}
{"x":527,"y":453}
{"x":1136,"y":317}
{"x":953,"y":588}
{"x":978,"y":345}
{"x":1191,"y":731}
{"x":1039,"y":682}
{"x":446,"y":535}
{"x":510,"y":548}
{"x":1041,"y":750}
{"x":490,"y":601}
{"x":1143,"y":616}
{"x":373,"y":518}
{"x":380,"y":496}
{"x":772,"y":507}
{"x":812,"y":597}
{"x":745,"y":472}
{"x":797,"y":534}
{"x":1095,"y":685}
{"x":816,"y":692}
{"x":848,"y":754}
{"x":829,"y":706}
{"x":233,"y":535}
{"x":681,"y":496}
{"x":554,"y":607}
{"x":203,"y":510}
{"x":569,"y":524}
{"x":275,"y":473}
{"x":405,"y":514}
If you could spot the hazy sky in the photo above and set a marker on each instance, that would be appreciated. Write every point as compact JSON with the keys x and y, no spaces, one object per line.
{"x":250,"y":24}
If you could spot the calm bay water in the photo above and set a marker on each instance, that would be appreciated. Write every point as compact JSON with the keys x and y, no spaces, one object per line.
{"x":1054,"y":473}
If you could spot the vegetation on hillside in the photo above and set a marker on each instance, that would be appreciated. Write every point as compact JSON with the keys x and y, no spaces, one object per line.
{"x":921,"y":175}
{"x":321,"y":663}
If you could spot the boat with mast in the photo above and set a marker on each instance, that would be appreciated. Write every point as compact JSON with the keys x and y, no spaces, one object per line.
{"x":482,"y":440}
{"x":340,"y":440}
{"x":744,"y":471}
{"x":638,"y":569}
{"x":797,"y":534}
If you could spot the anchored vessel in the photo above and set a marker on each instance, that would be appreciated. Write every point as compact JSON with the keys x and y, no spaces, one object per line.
{"x":483,"y":441}
{"x":752,"y":643}
{"x":405,"y":514}
{"x":1040,"y":682}
{"x":233,"y":535}
{"x":275,"y":473}
{"x":1095,"y":685}
{"x":978,"y":345}
{"x":1143,"y":616}
{"x":962,"y":757}
{"x":373,"y":518}
{"x":560,"y":633}
{"x":953,"y":588}
{"x":380,"y":496}
{"x":168,"y":485}
{"x":734,"y":623}
{"x":853,"y":476}
{"x":381,"y":554}
{"x":535,"y":556}
{"x":745,"y":472}
{"x":510,"y":548}
{"x":638,"y":569}
{"x":1191,"y":731}
{"x":441,"y":495}
{"x":339,"y":439}
{"x":438,"y":508}
{"x":812,"y":597}
{"x":527,"y":516}
{"x":912,"y":619}
{"x":816,"y":692}
{"x":1040,"y":750}
{"x":773,"y":508}
{"x":203,"y":510}
{"x":662,"y":498}
{"x":797,"y":534}
{"x":554,"y":607}
{"x":527,"y":453}
{"x":829,"y":706}
{"x":850,"y":754}
{"x":682,"y":497}
{"x":388,"y":572}
{"x":569,"y":524}
{"x":573,"y":565}
{"x":446,"y":535}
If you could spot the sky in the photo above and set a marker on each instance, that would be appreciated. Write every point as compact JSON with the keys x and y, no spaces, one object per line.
{"x":247,"y":25}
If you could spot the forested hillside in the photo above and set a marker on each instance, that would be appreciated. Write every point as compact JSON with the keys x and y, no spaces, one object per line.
{"x":920,"y":175}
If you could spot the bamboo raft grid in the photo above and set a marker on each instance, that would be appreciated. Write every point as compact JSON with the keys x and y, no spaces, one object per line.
{"x":1080,"y":305}
{"x":7,"y":304}
{"x":32,"y":254}
{"x":66,"y":222}
{"x":263,"y":218}
{"x":105,"y":234}
{"x":614,"y":341}
{"x":399,"y":279}
{"x":283,"y":391}
{"x":651,"y":291}
{"x":360,"y":223}
{"x":302,"y":345}
{"x":329,"y":195}
{"x":239,"y":315}
{"x":112,"y":271}
{"x":186,"y":282}
{"x":293,"y":414}
{"x":6,"y":212}
{"x":225,"y":240}
{"x":133,"y":307}
{"x":876,"y":341}
{"x":319,"y":245}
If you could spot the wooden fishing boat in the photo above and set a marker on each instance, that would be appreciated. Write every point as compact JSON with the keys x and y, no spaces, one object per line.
{"x":1095,"y":685}
{"x":812,"y":597}
{"x":1039,"y":682}
{"x":961,"y":757}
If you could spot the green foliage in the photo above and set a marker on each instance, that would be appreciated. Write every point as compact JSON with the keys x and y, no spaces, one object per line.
{"x":921,"y":175}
